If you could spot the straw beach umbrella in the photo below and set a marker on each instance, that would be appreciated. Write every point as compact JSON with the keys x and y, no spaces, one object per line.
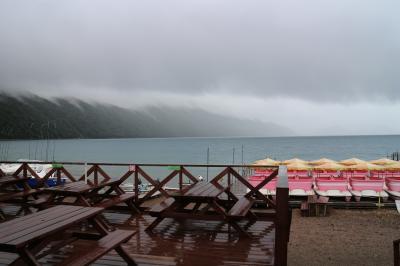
{"x":322,"y":161}
{"x":364,"y":166}
{"x":352,"y":161}
{"x":383,"y":161}
{"x":294,"y":160}
{"x":266,"y":161}
{"x":393,"y":167}
{"x":330,"y":166}
{"x":298,"y":166}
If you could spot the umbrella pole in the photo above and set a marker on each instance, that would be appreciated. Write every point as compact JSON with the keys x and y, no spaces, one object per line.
{"x":379,"y":201}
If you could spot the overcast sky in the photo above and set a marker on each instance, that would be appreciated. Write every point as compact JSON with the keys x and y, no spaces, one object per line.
{"x":318,"y":67}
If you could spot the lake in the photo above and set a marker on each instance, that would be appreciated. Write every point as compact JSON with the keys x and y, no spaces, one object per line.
{"x":194,"y":150}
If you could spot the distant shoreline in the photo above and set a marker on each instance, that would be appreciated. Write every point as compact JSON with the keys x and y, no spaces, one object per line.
{"x":219,"y":137}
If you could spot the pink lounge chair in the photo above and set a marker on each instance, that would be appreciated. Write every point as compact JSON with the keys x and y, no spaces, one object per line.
{"x":258,"y":176}
{"x":393,"y":183}
{"x":264,"y":171}
{"x":377,"y":174}
{"x":292,"y":174}
{"x":301,"y":183}
{"x":367,"y":184}
{"x":302,"y":173}
{"x":324,"y":184}
{"x":392,"y":174}
{"x":355,"y":174}
{"x":255,"y":180}
{"x":325,"y":174}
{"x":347,"y":174}
{"x":360,"y":174}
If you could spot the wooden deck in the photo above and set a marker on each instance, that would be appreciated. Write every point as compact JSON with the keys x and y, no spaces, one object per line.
{"x":183,"y":241}
{"x":174,"y":243}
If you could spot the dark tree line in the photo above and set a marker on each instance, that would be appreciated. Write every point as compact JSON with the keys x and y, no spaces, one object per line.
{"x":33,"y":117}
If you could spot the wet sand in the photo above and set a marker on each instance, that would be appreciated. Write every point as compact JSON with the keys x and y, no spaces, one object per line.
{"x":345,"y":237}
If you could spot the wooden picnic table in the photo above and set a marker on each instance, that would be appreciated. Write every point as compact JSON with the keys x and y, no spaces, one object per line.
{"x":105,"y":194}
{"x":204,"y":195}
{"x":10,"y":180}
{"x":15,"y":189}
{"x":11,"y":184}
{"x":29,"y":235}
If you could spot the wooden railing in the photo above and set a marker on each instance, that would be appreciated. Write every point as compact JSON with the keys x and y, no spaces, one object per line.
{"x":224,"y":179}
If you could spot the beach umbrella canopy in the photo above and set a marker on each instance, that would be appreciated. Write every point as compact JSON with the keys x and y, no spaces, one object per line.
{"x":298,"y":166}
{"x":364,"y":166}
{"x":383,"y":161}
{"x":322,"y":161}
{"x":294,"y":160}
{"x":352,"y":161}
{"x":394,"y":166}
{"x":330,"y":166}
{"x":266,"y":161}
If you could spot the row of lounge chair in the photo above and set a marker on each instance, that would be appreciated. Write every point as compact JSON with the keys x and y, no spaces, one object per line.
{"x":334,"y":183}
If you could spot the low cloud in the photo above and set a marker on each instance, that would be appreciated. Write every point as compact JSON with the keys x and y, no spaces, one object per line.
{"x":294,"y":59}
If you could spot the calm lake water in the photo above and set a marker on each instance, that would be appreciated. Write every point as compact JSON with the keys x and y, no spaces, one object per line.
{"x":194,"y":150}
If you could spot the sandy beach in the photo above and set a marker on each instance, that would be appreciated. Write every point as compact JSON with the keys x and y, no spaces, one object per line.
{"x":345,"y":237}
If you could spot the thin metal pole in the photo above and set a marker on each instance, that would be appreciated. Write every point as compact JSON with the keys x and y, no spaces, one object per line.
{"x":242,"y":160}
{"x":233,"y":162}
{"x":208,"y":160}
{"x":1,"y":151}
{"x":36,"y":147}
{"x":30,"y":130}
{"x":54,"y":149}
{"x":47,"y":141}
{"x":8,"y":148}
{"x":54,"y":140}
{"x":85,"y":173}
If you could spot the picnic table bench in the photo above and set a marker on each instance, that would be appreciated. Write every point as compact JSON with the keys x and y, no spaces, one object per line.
{"x":91,"y":195}
{"x":202,"y":193}
{"x":29,"y":235}
{"x":10,"y":180}
{"x":15,"y":189}
{"x":315,"y":206}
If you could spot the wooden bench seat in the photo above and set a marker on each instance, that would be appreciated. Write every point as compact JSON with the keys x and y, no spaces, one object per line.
{"x":304,"y":209}
{"x":115,"y":200}
{"x":19,"y":194}
{"x":162,"y":206}
{"x":39,"y":203}
{"x":241,"y":208}
{"x":99,"y":248}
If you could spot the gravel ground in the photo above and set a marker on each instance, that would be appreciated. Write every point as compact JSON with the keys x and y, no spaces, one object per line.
{"x":344,"y":237}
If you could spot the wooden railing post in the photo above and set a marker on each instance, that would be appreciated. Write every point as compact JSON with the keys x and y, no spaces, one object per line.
{"x":396,"y":260}
{"x":95,"y":174}
{"x":25,"y":170}
{"x":136,"y":184}
{"x":282,"y":221}
{"x":58,"y":176}
{"x":180,"y":178}
{"x":229,"y":185}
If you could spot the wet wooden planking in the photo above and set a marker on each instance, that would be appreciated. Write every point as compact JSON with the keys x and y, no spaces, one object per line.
{"x":191,"y":242}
